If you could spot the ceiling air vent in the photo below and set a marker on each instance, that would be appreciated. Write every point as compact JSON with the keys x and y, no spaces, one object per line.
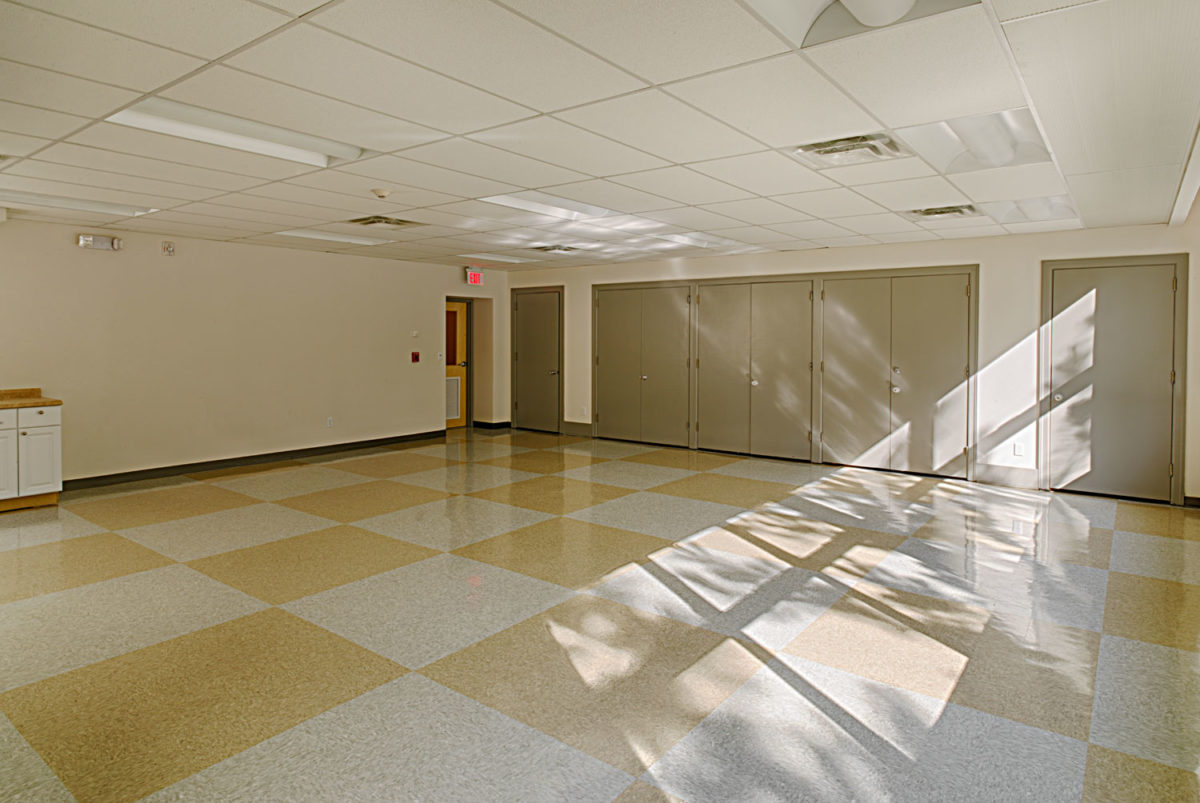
{"x":942,"y":212}
{"x":861,"y":149}
{"x":382,"y":222}
{"x":555,"y":249}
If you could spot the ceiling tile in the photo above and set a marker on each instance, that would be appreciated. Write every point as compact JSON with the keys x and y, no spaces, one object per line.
{"x":659,"y":124}
{"x":846,"y":242}
{"x":99,"y":178}
{"x":767,"y":173}
{"x":796,"y":245}
{"x":504,"y":214}
{"x":782,"y":101}
{"x":24,"y":84}
{"x":683,"y":185}
{"x":935,"y":68}
{"x":244,"y":95}
{"x":914,"y":193}
{"x":1012,"y":9}
{"x":670,"y":38}
{"x":229,"y":224}
{"x":563,"y":144}
{"x":905,"y":236}
{"x":474,"y":41}
{"x":885,"y":223}
{"x":1011,"y":183}
{"x":48,"y":215}
{"x":1126,"y":197}
{"x":280,"y":207}
{"x":296,"y":7}
{"x":400,"y":195}
{"x":209,"y":28}
{"x":874,"y":173}
{"x":1035,"y":227}
{"x":67,"y":190}
{"x":449,"y":220}
{"x":81,"y":156}
{"x":286,"y":191}
{"x":690,"y":217}
{"x":633,"y":225}
{"x":599,"y":192}
{"x":19,"y":144}
{"x":812,"y":229}
{"x":837,"y":202}
{"x":42,"y":40}
{"x":21,"y":119}
{"x":185,"y":151}
{"x":484,"y":160}
{"x":757,"y":211}
{"x":322,"y":62}
{"x":752,"y":234}
{"x":967,"y":232}
{"x":429,"y":177}
{"x":180,"y":229}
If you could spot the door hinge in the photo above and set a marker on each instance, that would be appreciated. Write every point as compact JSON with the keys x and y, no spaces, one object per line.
{"x":822,"y":366}
{"x":810,"y":298}
{"x":968,"y":291}
{"x":1174,"y":284}
{"x":810,"y":437}
{"x":1171,"y":470}
{"x":967,"y":372}
{"x":810,"y":366}
{"x":689,"y":298}
{"x":822,"y":295}
{"x":1172,"y":377}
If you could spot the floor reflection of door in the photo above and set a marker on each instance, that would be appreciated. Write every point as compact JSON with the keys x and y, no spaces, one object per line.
{"x":456,"y":364}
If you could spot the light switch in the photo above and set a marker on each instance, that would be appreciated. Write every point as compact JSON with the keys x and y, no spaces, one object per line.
{"x":1018,"y":450}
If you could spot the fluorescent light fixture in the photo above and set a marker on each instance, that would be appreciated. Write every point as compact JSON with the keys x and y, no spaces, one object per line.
{"x":497,"y":258}
{"x":698,"y":240}
{"x":552,"y":205}
{"x":979,"y":142}
{"x":1030,"y":210}
{"x":190,"y":122}
{"x":317,"y":234}
{"x":78,"y":204}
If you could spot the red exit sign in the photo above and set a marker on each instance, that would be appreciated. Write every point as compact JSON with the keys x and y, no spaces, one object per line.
{"x":475,"y":277}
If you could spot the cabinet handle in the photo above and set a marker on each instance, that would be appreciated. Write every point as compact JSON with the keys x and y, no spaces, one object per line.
{"x":24,"y":433}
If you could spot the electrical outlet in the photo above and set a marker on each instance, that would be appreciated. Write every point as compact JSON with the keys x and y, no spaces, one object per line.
{"x":168,"y":248}
{"x":329,"y":422}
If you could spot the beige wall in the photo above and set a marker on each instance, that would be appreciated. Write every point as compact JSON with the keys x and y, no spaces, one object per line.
{"x":226,"y":350}
{"x":1009,"y":315}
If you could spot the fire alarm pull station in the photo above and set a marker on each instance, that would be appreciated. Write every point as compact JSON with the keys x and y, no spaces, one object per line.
{"x":416,"y":356}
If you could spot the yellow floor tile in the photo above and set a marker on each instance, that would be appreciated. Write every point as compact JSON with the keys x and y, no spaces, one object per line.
{"x":75,"y":562}
{"x":1163,"y":520}
{"x":154,"y":507}
{"x":556,"y":495}
{"x":727,"y":490}
{"x":542,"y":462}
{"x":1148,"y":609}
{"x":570,"y":553}
{"x":240,"y":471}
{"x":146,"y":719}
{"x":908,"y":640}
{"x":391,"y":465}
{"x":642,"y":792}
{"x":683,"y":458}
{"x":1042,"y":678}
{"x":533,"y":440}
{"x":362,"y":501}
{"x":281,"y":571}
{"x":1114,"y":777}
{"x":619,"y":684}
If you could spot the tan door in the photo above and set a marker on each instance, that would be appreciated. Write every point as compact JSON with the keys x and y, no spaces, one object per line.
{"x":856,"y":385}
{"x":666,"y":369}
{"x":723,"y":412}
{"x":781,"y":369}
{"x":930,"y":336}
{"x":456,"y":364}
{"x":619,"y":364}
{"x":537,"y":360}
{"x":1112,"y":355}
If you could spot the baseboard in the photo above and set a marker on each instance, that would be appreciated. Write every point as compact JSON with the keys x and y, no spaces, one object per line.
{"x":491,"y":424}
{"x":1191,"y":501}
{"x":248,"y":460}
{"x":577,"y":429}
{"x":1010,"y":476}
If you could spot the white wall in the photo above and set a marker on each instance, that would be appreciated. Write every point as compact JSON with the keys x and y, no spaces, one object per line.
{"x":226,"y":350}
{"x":1009,"y":316}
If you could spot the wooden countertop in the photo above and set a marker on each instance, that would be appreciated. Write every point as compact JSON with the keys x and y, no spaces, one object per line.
{"x":25,"y":397}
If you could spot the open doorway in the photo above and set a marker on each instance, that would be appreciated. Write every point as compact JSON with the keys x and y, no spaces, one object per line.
{"x":457,"y":350}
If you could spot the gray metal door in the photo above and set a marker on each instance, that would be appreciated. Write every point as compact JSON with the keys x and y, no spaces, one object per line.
{"x":930,"y":336}
{"x":666,"y":365}
{"x":536,"y":360}
{"x":780,"y":369}
{"x":723,"y":412}
{"x":856,"y":386}
{"x":619,"y":364}
{"x":1112,"y":354}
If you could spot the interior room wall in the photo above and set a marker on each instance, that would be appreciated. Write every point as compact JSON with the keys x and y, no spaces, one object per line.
{"x":225,"y":350}
{"x":1009,"y":317}
{"x":485,"y":405}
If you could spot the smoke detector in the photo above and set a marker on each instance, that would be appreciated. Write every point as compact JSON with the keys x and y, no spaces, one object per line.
{"x":380,"y":192}
{"x":942,"y":212}
{"x":862,"y":149}
{"x":383,"y":222}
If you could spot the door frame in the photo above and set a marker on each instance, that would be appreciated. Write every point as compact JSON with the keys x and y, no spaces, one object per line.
{"x":514,"y":294}
{"x":470,"y":356}
{"x":1179,"y":391}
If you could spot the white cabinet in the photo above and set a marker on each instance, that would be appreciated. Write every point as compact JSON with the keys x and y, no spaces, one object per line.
{"x":8,"y":463}
{"x":39,"y":460}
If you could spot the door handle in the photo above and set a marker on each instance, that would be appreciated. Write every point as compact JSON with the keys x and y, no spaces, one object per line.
{"x":644,"y":378}
{"x":895,"y":389}
{"x":1058,"y":397}
{"x":753,"y":383}
{"x":462,"y":364}
{"x":553,"y":372}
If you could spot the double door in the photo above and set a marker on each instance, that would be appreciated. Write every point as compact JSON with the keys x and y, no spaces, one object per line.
{"x":755,"y":368}
{"x":643,"y":357}
{"x":895,"y":372}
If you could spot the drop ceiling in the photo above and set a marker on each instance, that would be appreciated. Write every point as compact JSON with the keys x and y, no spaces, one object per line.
{"x":678,"y":119}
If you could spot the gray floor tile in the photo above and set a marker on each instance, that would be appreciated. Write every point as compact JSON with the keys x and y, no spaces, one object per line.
{"x":43,"y":525}
{"x":661,"y":515}
{"x":1099,"y":512}
{"x":274,"y":485}
{"x":465,"y":478}
{"x":452,"y":523}
{"x":1147,"y":702}
{"x":23,"y":773}
{"x":213,"y":533}
{"x":612,"y":450}
{"x":798,"y":474}
{"x":470,"y":450}
{"x":1152,"y":556}
{"x":410,"y":740}
{"x":121,"y":489}
{"x":419,"y":613}
{"x":627,"y":475}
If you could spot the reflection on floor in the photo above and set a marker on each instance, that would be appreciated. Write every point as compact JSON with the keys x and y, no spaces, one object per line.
{"x":520,"y":616}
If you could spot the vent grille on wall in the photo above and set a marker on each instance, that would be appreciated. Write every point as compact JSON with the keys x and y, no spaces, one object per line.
{"x":861,"y":149}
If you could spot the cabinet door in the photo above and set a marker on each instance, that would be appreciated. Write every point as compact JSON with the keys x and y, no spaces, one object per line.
{"x":8,"y":463}
{"x":723,"y":414}
{"x":781,"y":370}
{"x":666,"y":370}
{"x":619,"y":364}
{"x":40,"y":460}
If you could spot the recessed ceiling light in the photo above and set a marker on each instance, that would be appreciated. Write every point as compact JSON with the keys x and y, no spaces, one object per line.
{"x":190,"y":122}
{"x":698,"y":240}
{"x":317,"y":234}
{"x":544,"y":204}
{"x":861,"y":149}
{"x":1030,"y":210}
{"x":77,"y":204}
{"x":979,"y":142}
{"x":497,"y":258}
